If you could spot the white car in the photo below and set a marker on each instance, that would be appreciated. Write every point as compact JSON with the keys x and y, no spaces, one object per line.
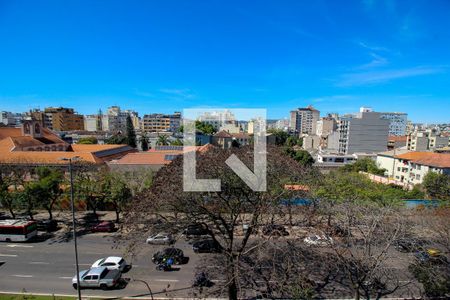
{"x":318,"y":240}
{"x":160,"y":239}
{"x":111,"y":263}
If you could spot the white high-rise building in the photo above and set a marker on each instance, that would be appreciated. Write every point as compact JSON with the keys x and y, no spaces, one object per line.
{"x":397,"y":122}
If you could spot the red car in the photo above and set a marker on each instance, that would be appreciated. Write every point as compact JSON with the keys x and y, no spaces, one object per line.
{"x":105,"y":226}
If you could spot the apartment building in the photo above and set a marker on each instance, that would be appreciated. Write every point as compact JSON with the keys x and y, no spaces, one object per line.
{"x":59,"y":118}
{"x":161,"y":122}
{"x":220,"y":120}
{"x":7,"y":118}
{"x":427,"y":140}
{"x":326,"y":126}
{"x":364,"y":132}
{"x":304,"y":120}
{"x":93,"y":122}
{"x":397,"y":122}
{"x":411,"y":168}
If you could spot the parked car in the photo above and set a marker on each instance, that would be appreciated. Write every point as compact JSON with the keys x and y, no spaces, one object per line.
{"x":409,"y":245}
{"x":97,"y":278}
{"x":112,"y":263}
{"x":105,"y":226}
{"x":206,"y":246}
{"x":275,"y":230}
{"x":47,"y":225}
{"x":176,"y":254}
{"x":196,"y":230}
{"x":160,"y":239}
{"x":318,"y":240}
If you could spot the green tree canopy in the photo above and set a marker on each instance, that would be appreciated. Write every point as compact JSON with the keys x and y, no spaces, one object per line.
{"x":89,"y":140}
{"x":437,"y":186}
{"x":301,"y":156}
{"x":365,"y":164}
{"x":117,"y":139}
{"x":131,"y":135}
{"x":280,"y":136}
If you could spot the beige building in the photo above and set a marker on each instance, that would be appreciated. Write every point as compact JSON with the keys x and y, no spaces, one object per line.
{"x":427,"y":140}
{"x":326,"y":126}
{"x":304,"y":120}
{"x":62,"y":119}
{"x":161,"y":122}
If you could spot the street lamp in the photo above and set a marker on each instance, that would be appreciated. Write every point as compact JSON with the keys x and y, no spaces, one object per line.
{"x":70,"y":160}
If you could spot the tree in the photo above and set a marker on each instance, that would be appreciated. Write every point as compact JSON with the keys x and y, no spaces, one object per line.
{"x":437,"y":186}
{"x":46,"y":190}
{"x":292,"y":141}
{"x":144,"y":142}
{"x":117,"y":139}
{"x":205,"y":128}
{"x":365,"y":164}
{"x":162,"y":140}
{"x":118,"y":194}
{"x":131,"y":135}
{"x":363,"y":253}
{"x":223,"y":213}
{"x":7,"y":196}
{"x":89,"y":140}
{"x":280,"y":136}
{"x":301,"y":156}
{"x":177,"y":142}
{"x":90,"y":185}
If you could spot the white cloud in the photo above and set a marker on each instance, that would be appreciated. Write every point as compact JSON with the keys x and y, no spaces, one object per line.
{"x":376,"y":77}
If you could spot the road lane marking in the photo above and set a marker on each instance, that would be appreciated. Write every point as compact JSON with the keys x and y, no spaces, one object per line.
{"x":23,"y":276}
{"x":8,"y":255}
{"x":166,"y":280}
{"x":38,"y":263}
{"x":63,"y":277}
{"x":19,"y":246}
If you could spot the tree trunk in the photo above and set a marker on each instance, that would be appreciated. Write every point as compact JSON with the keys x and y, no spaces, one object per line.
{"x":117,"y":215}
{"x":13,"y":215}
{"x":50,"y":215}
{"x":232,"y":290}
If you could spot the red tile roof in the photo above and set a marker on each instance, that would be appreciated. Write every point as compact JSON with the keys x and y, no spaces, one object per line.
{"x":439,"y":160}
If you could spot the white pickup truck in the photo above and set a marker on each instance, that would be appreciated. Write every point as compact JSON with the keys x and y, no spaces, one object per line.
{"x":98,"y":278}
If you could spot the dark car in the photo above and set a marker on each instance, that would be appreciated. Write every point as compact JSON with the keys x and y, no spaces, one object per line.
{"x":273,"y":229}
{"x":195,"y":229}
{"x":105,"y":226}
{"x":176,"y":254}
{"x":47,"y":225}
{"x":206,"y":246}
{"x":409,"y":245}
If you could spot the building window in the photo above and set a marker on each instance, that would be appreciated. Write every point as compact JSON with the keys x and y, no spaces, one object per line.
{"x":417,"y":176}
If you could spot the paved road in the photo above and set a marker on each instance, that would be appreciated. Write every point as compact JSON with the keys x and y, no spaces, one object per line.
{"x":48,"y":267}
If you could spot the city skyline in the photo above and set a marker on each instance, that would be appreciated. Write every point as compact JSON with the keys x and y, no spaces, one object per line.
{"x":168,"y":56}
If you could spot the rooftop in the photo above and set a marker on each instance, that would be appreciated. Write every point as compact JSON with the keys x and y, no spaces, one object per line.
{"x":438,"y":160}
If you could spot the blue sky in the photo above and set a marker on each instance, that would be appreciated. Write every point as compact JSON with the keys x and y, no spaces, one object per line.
{"x":162,"y":56}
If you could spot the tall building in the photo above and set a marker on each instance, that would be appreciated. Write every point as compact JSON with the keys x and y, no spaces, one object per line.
{"x":161,"y":122}
{"x":365,"y":132}
{"x":304,"y":120}
{"x":326,"y":126}
{"x":59,"y":119}
{"x":397,"y":122}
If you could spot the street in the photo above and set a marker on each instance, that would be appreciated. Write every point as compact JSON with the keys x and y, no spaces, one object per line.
{"x":48,"y":267}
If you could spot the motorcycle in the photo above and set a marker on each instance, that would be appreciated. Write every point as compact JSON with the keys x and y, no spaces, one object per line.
{"x":164,"y":267}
